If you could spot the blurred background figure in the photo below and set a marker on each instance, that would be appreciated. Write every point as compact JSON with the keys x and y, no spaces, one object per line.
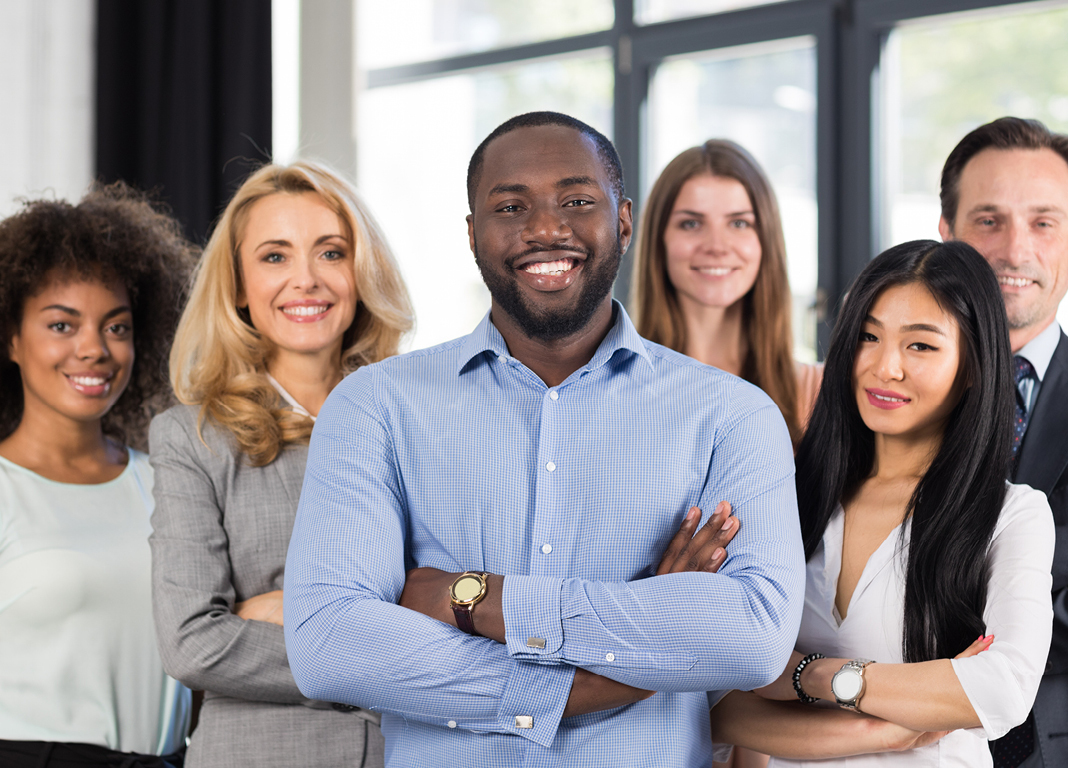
{"x":710,"y":274}
{"x":89,"y":300}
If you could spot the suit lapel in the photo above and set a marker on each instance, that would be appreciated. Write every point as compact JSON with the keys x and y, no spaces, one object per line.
{"x":1044,"y":452}
{"x":290,"y":468}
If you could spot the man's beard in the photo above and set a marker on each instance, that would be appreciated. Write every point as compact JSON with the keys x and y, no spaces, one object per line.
{"x":558,"y":324}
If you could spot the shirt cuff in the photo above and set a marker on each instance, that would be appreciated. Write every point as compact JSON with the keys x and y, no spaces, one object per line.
{"x":532,"y":622}
{"x":534,"y":700}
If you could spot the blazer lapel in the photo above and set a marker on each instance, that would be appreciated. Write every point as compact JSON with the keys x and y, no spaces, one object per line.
{"x":1044,"y":452}
{"x":290,"y":468}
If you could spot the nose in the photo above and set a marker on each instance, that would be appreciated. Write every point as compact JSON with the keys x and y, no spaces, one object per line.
{"x":546,"y":225}
{"x":305,"y":273}
{"x":91,"y":345}
{"x":1017,"y":247}
{"x":713,"y":239}
{"x":888,"y":365}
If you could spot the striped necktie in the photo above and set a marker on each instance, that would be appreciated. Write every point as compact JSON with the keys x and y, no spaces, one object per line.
{"x":1023,"y":370}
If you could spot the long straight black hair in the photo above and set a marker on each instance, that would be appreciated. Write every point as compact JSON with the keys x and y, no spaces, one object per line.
{"x":957,"y":502}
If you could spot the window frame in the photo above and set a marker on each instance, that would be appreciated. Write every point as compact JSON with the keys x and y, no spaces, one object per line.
{"x":850,"y":36}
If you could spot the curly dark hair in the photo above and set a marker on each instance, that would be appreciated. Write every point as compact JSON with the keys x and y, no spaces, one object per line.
{"x":114,"y":234}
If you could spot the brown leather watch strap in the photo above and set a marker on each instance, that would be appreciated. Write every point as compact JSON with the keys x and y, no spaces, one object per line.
{"x":464,"y":618}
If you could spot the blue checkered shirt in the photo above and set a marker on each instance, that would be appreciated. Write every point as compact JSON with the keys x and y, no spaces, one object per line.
{"x":459,"y":457}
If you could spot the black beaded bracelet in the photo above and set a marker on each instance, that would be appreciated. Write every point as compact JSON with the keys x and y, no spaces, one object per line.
{"x":805,"y":698}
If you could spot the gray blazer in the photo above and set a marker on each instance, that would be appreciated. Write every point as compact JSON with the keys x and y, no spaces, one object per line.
{"x":221,"y":529}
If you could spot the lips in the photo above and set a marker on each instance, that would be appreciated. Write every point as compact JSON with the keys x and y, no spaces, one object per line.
{"x":306,"y":311}
{"x":1013,"y":281}
{"x":886,"y":399}
{"x":90,"y":384}
{"x":558,"y":267}
{"x":714,"y":271}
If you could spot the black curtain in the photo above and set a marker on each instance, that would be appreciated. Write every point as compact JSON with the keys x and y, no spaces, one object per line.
{"x":183,"y":99}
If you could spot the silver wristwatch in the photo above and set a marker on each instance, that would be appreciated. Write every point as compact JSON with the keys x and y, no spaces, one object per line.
{"x":848,"y":683}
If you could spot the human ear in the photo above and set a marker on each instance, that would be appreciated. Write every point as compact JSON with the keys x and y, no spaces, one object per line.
{"x":471,"y":231}
{"x":626,"y":224}
{"x":945,"y":230}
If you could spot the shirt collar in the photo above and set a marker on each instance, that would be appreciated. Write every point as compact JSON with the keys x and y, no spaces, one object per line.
{"x":297,"y":407}
{"x":621,"y":336}
{"x":1039,"y":350}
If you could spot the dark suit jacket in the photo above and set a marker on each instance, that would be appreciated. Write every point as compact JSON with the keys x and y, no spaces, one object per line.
{"x":1043,"y":465}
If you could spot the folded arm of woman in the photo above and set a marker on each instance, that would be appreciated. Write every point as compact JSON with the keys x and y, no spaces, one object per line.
{"x":791,"y":729}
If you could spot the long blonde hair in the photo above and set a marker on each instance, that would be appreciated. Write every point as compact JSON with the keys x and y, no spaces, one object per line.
{"x":769,"y":361}
{"x":219,"y":359}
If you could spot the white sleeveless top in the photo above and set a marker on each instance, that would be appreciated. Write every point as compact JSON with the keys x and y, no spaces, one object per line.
{"x":78,"y":658}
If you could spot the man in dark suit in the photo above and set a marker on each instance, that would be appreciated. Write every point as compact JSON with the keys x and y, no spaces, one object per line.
{"x":1005,"y":191}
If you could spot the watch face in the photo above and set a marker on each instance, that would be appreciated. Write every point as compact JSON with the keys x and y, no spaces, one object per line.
{"x":846,"y":684}
{"x":466,"y":588}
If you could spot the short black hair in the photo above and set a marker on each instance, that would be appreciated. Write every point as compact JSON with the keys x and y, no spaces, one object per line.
{"x":605,"y":151}
{"x":1003,"y":133}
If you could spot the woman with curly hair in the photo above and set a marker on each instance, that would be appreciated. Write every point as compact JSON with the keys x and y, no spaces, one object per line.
{"x":88,"y":304}
{"x":296,"y":288}
{"x":710,"y":275}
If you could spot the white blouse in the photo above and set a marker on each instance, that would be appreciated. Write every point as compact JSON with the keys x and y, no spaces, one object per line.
{"x":1001,"y":682}
{"x":78,"y":658}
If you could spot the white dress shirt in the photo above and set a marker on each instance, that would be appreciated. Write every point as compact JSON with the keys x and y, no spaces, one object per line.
{"x":1001,"y":682}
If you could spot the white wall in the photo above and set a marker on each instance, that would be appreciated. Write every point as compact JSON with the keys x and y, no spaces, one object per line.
{"x":46,"y":99}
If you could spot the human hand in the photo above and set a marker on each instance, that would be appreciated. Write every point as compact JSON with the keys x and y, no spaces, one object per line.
{"x":782,"y":688}
{"x":704,"y":551}
{"x":898,"y":738}
{"x":266,"y":607}
{"x":594,"y":693}
{"x":981,"y":644}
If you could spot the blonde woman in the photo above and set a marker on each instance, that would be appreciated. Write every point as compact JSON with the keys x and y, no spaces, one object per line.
{"x":296,"y":288}
{"x":710,"y":276}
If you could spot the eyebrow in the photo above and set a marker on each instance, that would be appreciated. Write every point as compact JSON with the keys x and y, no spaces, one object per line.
{"x":76,"y":313}
{"x":519,"y":189}
{"x":911,"y":328}
{"x":318,"y":241}
{"x":991,"y":208}
{"x":699,"y":215}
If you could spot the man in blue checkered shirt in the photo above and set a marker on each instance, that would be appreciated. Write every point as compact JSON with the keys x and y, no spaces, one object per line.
{"x":475,"y":554}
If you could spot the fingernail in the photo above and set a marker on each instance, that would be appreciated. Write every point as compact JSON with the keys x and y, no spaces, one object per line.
{"x":692,"y":514}
{"x":719,"y":554}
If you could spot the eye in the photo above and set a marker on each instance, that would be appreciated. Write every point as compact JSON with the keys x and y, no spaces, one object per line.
{"x":60,"y":327}
{"x":866,"y":336}
{"x":919,"y":346}
{"x":273,"y":258}
{"x":578,"y":203}
{"x":986,"y":221}
{"x":689,"y":224}
{"x":120,"y":330}
{"x":333,"y":255}
{"x":510,"y":208}
{"x":741,"y":224}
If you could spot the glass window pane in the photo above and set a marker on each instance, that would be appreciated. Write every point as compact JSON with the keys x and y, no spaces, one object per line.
{"x":404,"y":31}
{"x":415,"y":143}
{"x":942,"y":77}
{"x":652,"y":11}
{"x":763,"y":97}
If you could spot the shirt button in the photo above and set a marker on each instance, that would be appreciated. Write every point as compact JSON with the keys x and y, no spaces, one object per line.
{"x":546,"y":548}
{"x":554,"y":395}
{"x":502,"y":358}
{"x":452,"y":723}
{"x":609,"y":657}
{"x":551,"y":467}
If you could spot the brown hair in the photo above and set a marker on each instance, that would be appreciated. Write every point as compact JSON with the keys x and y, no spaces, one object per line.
{"x":219,"y":359}
{"x":112,"y":234}
{"x":1003,"y":133}
{"x":769,"y":362}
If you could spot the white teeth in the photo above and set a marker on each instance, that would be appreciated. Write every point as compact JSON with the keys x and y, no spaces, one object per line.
{"x":1016,"y":282}
{"x":549,"y":267}
{"x":87,"y":381}
{"x":306,"y":310}
{"x":888,"y":399}
{"x":715,"y":271}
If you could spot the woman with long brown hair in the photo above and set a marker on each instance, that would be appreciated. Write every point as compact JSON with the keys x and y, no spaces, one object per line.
{"x":710,"y":275}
